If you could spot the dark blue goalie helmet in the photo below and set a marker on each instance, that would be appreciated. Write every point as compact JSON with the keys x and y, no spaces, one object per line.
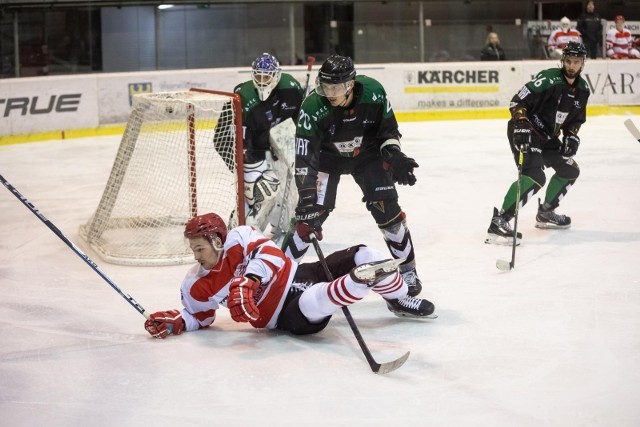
{"x":265,"y":73}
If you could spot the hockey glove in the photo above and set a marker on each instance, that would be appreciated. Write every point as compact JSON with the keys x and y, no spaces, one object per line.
{"x":164,"y":323}
{"x":521,"y":134}
{"x":261,"y":185}
{"x":309,"y":220}
{"x":241,"y":304}
{"x":401,"y":165}
{"x":569,"y":146}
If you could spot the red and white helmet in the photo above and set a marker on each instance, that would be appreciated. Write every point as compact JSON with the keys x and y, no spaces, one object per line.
{"x":208,"y":225}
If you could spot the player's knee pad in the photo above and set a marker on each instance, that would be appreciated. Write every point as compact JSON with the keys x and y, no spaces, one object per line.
{"x":386,"y":212}
{"x":292,"y":320}
{"x":568,"y":170}
{"x":538,"y":177}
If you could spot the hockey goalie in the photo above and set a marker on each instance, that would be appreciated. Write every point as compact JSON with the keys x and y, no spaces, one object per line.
{"x":270,"y":101}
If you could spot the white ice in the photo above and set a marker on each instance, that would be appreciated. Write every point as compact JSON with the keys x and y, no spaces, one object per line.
{"x":555,"y":342}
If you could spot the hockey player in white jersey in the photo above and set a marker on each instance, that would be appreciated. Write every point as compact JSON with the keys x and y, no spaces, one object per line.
{"x":247,"y":273}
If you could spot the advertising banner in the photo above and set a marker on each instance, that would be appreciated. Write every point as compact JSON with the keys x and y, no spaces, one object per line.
{"x":40,"y":104}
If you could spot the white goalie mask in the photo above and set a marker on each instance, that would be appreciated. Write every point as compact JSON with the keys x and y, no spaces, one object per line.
{"x":265,"y":72}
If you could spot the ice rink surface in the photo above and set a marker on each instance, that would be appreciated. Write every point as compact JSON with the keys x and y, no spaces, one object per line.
{"x":555,"y":342}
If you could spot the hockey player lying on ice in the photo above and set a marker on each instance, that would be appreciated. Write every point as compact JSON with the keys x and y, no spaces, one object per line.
{"x":247,"y":273}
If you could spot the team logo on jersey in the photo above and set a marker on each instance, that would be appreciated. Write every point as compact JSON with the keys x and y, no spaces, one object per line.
{"x":240,"y":269}
{"x":349,"y":148}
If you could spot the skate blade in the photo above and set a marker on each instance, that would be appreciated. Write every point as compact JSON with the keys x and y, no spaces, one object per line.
{"x":414,"y":316}
{"x":550,"y":226}
{"x":368,"y":273}
{"x":494,"y":239}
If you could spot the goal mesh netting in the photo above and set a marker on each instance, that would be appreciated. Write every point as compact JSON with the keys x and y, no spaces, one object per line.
{"x":180,"y":156}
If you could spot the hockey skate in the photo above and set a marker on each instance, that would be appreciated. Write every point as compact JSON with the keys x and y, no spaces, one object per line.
{"x":410,"y":277}
{"x":371,"y":273}
{"x":411,"y":307}
{"x":500,"y":232}
{"x":548,"y":219}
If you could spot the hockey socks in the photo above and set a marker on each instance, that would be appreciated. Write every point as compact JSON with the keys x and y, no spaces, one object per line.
{"x":528,"y":187}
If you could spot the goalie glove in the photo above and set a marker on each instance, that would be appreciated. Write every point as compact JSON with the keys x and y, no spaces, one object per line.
{"x":241,"y":304}
{"x":164,"y":323}
{"x":261,"y":185}
{"x":401,"y":165}
{"x":569,"y":146}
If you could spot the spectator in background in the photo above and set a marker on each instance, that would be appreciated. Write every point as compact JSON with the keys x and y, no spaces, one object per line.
{"x":620,"y":42}
{"x":559,"y":38}
{"x":590,"y":27}
{"x":492,"y":51}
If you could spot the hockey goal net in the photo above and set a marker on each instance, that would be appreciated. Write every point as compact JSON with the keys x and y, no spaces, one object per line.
{"x":180,"y":156}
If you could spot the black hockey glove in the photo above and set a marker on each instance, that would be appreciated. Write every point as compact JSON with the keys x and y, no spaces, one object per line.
{"x":521,"y":134}
{"x":401,"y":165}
{"x":569,"y":146}
{"x":309,"y":220}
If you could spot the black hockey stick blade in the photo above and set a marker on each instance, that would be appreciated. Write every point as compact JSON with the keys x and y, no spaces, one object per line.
{"x":385,"y":368}
{"x":633,"y":129}
{"x":378,"y":368}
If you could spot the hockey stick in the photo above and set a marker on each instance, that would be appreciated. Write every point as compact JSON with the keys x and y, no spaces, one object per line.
{"x":310,"y":61}
{"x":73,"y":247}
{"x":285,"y":240}
{"x":503,"y":264}
{"x":378,"y":368}
{"x":633,"y":129}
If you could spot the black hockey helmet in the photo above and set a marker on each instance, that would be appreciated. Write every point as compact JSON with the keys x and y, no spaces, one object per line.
{"x":575,"y":49}
{"x":337,"y":69}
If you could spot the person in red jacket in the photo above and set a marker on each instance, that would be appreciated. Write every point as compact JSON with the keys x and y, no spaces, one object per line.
{"x":620,"y":43}
{"x":246,"y":272}
{"x":559,"y":38}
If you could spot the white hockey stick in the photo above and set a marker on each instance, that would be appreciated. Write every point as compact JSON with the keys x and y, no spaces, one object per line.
{"x":633,"y":129}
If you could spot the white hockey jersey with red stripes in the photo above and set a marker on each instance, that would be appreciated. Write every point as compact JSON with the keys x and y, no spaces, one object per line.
{"x":559,"y":39}
{"x":245,"y":251}
{"x":619,"y":42}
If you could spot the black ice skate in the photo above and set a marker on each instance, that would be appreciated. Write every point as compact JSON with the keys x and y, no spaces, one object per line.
{"x":371,"y":273}
{"x":547,"y":218}
{"x":500,"y":232}
{"x":410,"y":277}
{"x":411,"y":307}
